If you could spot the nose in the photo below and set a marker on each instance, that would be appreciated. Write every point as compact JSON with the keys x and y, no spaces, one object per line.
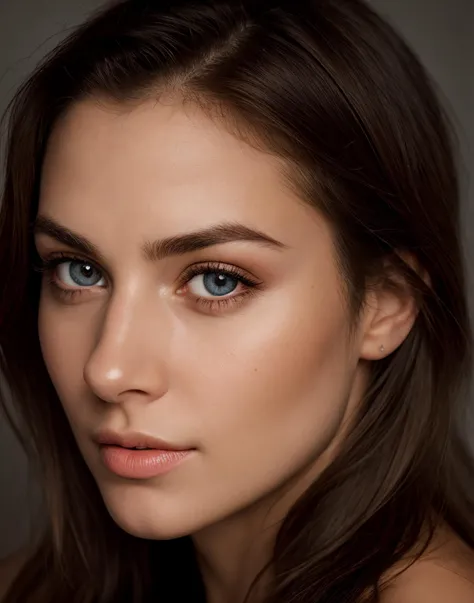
{"x":128,"y":360}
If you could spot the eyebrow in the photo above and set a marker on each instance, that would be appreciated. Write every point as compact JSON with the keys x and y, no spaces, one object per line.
{"x":217,"y":234}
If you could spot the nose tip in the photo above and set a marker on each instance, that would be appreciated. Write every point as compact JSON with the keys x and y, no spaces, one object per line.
{"x":106,"y":384}
{"x":116,"y":379}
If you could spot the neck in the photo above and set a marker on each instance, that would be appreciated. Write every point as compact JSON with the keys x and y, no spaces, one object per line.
{"x":231,"y":553}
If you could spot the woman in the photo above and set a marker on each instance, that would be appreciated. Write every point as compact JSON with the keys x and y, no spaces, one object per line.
{"x":233,"y":311}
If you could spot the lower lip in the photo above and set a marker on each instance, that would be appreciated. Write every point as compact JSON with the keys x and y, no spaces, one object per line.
{"x":141,"y":464}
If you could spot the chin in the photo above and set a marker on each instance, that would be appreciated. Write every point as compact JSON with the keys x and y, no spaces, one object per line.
{"x":145,"y":513}
{"x":149,"y":528}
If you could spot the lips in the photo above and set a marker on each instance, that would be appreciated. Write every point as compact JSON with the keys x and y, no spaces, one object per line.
{"x":141,"y":464}
{"x":137,"y":441}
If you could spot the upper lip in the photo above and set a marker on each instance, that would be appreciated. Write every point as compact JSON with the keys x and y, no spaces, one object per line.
{"x":134,"y":440}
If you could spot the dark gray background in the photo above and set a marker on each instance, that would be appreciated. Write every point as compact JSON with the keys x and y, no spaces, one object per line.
{"x":441,"y":31}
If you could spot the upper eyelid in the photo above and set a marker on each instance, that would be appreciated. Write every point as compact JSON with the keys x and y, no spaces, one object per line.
{"x":219,"y":266}
{"x":45,"y":254}
{"x":62,"y":257}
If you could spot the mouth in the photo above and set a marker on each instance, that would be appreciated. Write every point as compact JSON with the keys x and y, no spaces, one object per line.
{"x":139,"y":456}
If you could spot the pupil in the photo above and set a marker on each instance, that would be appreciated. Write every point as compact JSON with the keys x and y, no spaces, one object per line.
{"x":86,"y":270}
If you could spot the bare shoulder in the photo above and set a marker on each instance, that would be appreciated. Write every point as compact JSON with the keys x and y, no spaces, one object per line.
{"x":430,"y":583}
{"x":9,"y":568}
{"x":445,"y":573}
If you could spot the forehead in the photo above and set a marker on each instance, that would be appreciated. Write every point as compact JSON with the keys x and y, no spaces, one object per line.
{"x":166,"y":168}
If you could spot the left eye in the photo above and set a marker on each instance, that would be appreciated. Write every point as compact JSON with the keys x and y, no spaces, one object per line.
{"x":75,"y":273}
{"x":214,"y":284}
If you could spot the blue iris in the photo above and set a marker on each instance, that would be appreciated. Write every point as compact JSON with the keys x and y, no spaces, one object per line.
{"x":83,"y":274}
{"x":219,"y":283}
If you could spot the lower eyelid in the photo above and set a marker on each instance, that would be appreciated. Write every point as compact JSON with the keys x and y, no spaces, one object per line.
{"x":220,"y":305}
{"x":60,"y":291}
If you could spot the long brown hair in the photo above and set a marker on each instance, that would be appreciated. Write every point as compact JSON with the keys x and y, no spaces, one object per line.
{"x":330,"y":88}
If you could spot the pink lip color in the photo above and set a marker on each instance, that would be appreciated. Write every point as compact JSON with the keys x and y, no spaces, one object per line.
{"x":140,"y":464}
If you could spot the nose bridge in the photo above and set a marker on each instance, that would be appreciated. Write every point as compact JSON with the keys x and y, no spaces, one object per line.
{"x":128,"y":355}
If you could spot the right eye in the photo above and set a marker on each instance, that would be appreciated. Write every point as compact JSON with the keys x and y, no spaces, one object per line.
{"x":78,"y":273}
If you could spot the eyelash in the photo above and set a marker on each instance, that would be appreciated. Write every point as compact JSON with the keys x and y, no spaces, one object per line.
{"x":48,"y":265}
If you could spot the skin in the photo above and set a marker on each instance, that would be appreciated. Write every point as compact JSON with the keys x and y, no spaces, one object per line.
{"x":263,"y":388}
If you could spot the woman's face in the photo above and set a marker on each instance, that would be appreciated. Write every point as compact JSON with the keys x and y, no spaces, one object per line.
{"x":226,"y":343}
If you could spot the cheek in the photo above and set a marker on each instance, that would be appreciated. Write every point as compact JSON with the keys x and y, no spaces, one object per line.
{"x":280,"y":391}
{"x":64,"y":343}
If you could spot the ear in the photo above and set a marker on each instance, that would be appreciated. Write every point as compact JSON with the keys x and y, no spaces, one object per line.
{"x":389,"y":314}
